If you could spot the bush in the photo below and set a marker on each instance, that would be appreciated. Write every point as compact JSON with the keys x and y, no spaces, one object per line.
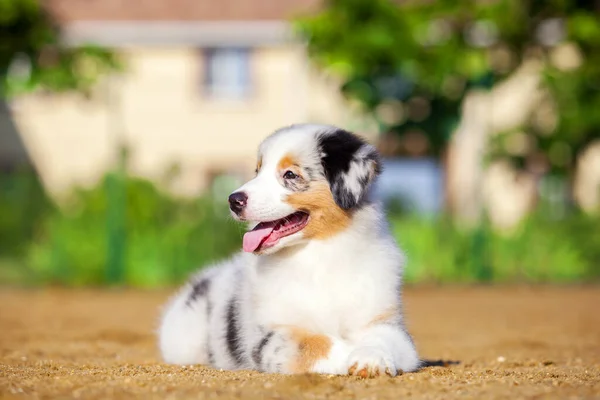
{"x":126,"y":231}
{"x":163,"y":239}
{"x":538,"y":251}
{"x":22,"y":203}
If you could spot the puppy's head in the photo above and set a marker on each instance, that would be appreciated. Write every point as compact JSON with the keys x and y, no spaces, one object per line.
{"x":309,"y":181}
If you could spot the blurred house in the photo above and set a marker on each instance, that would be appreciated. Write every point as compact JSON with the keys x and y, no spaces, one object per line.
{"x":416,"y":185}
{"x":205,"y":82}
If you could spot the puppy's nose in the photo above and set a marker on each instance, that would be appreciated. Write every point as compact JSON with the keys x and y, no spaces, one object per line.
{"x":237,"y":202}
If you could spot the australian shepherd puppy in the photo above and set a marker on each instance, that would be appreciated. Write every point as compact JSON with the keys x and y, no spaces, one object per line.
{"x":318,"y":286}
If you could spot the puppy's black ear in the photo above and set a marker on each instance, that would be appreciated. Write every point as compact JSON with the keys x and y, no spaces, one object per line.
{"x":350,"y":166}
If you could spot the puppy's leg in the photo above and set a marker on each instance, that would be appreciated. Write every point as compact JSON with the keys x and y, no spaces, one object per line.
{"x":183,"y":332}
{"x":383,"y":349}
{"x":292,"y":350}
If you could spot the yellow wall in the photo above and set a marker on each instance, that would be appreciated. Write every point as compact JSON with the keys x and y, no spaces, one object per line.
{"x":160,"y":109}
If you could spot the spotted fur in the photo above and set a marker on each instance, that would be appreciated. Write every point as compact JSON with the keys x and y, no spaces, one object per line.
{"x":350,"y":166}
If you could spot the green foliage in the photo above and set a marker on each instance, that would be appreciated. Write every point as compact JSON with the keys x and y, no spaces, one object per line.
{"x":22,"y":203}
{"x":166,"y":238}
{"x":410,"y":65}
{"x":32,"y":55}
{"x":539,"y":251}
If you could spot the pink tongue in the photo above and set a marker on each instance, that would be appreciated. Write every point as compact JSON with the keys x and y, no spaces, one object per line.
{"x":255,"y":237}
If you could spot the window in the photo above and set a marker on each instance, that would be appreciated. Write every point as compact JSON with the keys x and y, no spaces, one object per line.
{"x":227,"y":72}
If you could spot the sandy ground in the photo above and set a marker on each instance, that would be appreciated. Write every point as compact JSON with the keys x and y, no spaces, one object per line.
{"x":509,"y":342}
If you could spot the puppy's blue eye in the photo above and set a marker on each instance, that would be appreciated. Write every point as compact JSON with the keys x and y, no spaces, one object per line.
{"x":289,"y":175}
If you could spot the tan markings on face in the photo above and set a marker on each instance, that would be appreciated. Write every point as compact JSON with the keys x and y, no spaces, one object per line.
{"x":288,"y":162}
{"x":311,"y":348}
{"x":326,"y":217}
{"x":389,"y":315}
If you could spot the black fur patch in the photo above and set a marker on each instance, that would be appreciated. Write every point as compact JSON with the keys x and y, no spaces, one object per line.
{"x":257,"y":353}
{"x":340,"y":150}
{"x":234,"y":341}
{"x":199,"y":289}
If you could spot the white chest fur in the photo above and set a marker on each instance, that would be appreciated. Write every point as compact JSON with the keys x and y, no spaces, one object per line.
{"x":332,"y":287}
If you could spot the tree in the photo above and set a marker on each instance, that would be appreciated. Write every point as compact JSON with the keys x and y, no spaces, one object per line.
{"x":410,"y":64}
{"x":32,"y":55}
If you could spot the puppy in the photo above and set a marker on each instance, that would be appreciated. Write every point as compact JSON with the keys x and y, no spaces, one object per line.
{"x":318,"y":286}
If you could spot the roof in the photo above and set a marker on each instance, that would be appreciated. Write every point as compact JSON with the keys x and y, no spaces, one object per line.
{"x":67,"y":11}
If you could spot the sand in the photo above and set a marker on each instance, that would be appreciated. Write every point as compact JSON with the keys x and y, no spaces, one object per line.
{"x":509,"y":342}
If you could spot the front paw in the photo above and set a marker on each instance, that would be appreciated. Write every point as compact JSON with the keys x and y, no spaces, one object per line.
{"x":370,"y":362}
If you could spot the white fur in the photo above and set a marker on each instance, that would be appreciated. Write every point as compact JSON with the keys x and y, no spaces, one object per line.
{"x":337,"y":287}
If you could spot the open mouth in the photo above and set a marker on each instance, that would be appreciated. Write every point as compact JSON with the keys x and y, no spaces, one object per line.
{"x":267,"y":234}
